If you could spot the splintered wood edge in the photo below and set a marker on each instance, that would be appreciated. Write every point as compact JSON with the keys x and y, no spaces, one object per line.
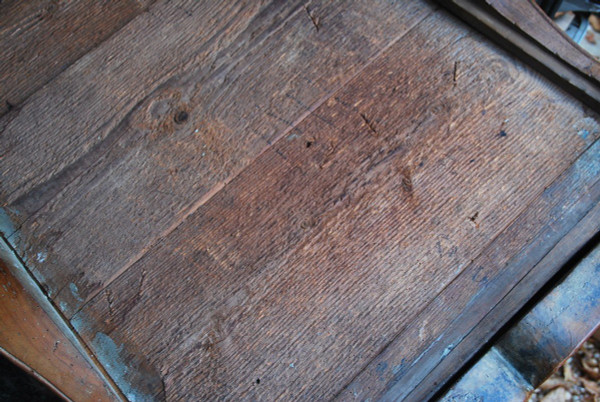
{"x":493,"y":24}
{"x":34,"y":290}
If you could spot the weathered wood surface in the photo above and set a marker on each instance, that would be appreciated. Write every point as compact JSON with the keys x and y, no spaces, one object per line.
{"x":549,"y":50}
{"x":315,"y":257}
{"x":501,"y":280}
{"x":117,"y":172}
{"x":277,"y":200}
{"x":41,"y":38}
{"x":29,"y":336}
{"x":531,"y":19}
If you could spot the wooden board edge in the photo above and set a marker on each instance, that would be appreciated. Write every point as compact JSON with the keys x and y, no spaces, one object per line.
{"x":23,"y":366}
{"x":35,"y":292}
{"x":525,"y":290}
{"x":540,"y":340}
{"x":487,"y":20}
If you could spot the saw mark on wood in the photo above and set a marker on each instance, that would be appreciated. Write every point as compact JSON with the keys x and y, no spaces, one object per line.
{"x":316,"y":21}
{"x":369,"y":124}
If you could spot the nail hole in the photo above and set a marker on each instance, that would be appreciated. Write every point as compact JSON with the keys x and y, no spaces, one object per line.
{"x":309,"y":144}
{"x":258,"y":380}
{"x":181,"y":117}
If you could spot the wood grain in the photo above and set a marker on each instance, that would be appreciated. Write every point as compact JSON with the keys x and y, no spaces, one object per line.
{"x":544,"y":336}
{"x":123,"y":184}
{"x":29,"y":335}
{"x":520,"y":261}
{"x":531,"y":19}
{"x":40,"y":39}
{"x":553,"y":56}
{"x":305,"y":266}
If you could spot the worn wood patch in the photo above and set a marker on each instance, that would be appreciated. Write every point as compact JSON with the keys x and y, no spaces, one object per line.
{"x":489,"y":291}
{"x":41,"y":38}
{"x":121,"y":185}
{"x":303,"y":268}
{"x":554,"y":56}
{"x":543,"y":338}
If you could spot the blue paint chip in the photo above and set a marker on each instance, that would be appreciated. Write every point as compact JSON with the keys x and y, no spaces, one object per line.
{"x":381,"y":367}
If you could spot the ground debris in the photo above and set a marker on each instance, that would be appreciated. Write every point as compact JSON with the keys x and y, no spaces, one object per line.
{"x":577,"y":380}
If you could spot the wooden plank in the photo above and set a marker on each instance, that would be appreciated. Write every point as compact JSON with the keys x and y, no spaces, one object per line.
{"x":30,"y":337}
{"x":553,"y":57}
{"x":41,"y":38}
{"x":491,"y":289}
{"x":541,"y":340}
{"x":304,"y":267}
{"x":528,"y":17}
{"x":123,"y":185}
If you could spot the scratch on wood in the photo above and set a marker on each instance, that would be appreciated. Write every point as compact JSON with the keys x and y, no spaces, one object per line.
{"x":473,"y":219}
{"x":455,"y":75}
{"x":141,"y":289}
{"x":314,"y":19}
{"x":109,"y":300}
{"x":369,"y":124}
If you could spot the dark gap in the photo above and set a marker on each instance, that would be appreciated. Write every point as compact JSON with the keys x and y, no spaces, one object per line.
{"x":16,"y":385}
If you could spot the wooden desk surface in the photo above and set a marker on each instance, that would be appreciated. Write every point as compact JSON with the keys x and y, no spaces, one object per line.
{"x":273,"y":200}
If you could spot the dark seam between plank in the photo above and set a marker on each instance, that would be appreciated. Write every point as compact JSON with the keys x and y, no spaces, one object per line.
{"x":524,"y":277}
{"x":89,"y":353}
{"x":159,"y":83}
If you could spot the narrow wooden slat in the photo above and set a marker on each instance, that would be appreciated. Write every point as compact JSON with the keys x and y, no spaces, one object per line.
{"x":531,"y":19}
{"x":539,"y":342}
{"x":312,"y":260}
{"x":41,"y":38}
{"x":250,"y":74}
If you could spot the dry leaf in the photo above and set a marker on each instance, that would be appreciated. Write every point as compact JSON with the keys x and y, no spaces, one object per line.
{"x":591,"y":386}
{"x":595,"y":22}
{"x":558,"y":395}
{"x":554,"y":382}
{"x":569,"y":374}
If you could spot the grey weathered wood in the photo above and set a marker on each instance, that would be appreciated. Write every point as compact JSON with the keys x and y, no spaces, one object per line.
{"x":556,"y":56}
{"x":545,"y":336}
{"x":493,"y":287}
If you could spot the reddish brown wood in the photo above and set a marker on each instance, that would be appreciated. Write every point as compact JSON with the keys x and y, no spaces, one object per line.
{"x":29,"y":335}
{"x":521,"y":28}
{"x":274,"y":200}
{"x":241,"y":91}
{"x":311,"y":261}
{"x":531,"y":20}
